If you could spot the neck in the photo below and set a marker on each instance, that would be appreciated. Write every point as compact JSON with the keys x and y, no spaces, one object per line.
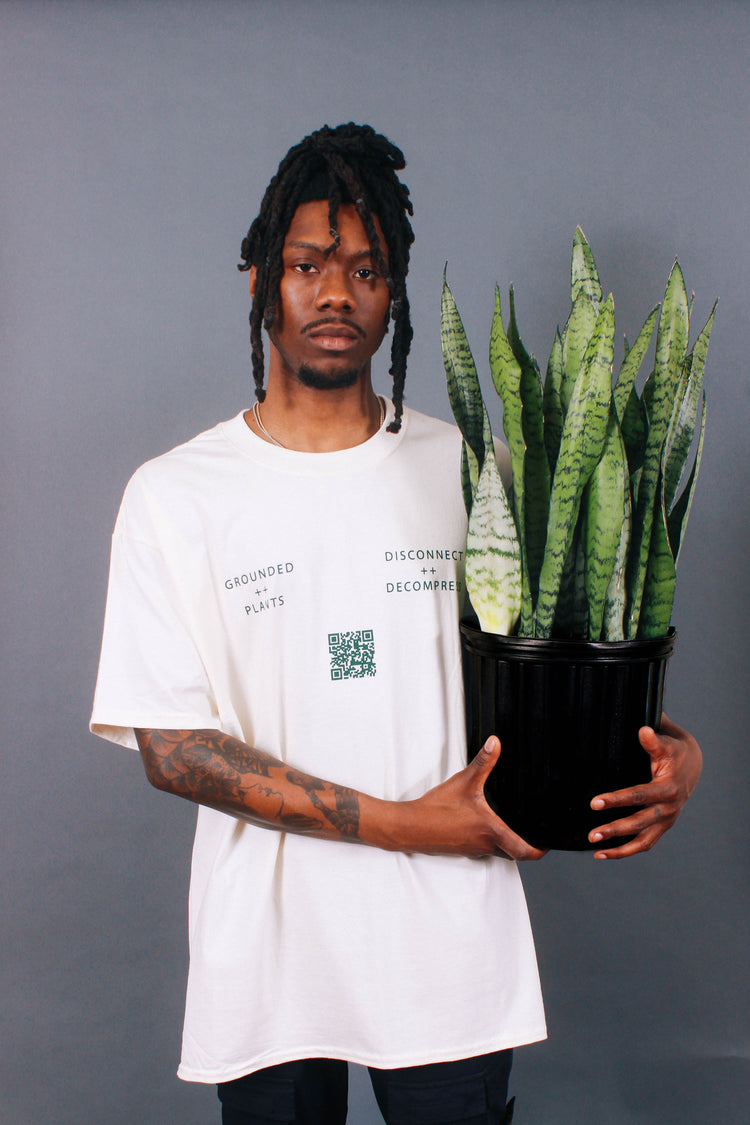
{"x":317,"y":421}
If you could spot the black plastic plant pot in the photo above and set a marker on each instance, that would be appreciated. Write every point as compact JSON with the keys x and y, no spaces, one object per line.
{"x":567,"y":714}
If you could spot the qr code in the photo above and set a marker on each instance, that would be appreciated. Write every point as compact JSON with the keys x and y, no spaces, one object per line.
{"x":352,"y":654}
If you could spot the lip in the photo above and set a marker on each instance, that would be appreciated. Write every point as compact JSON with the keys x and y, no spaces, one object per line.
{"x":334,"y":331}
{"x":333,"y":337}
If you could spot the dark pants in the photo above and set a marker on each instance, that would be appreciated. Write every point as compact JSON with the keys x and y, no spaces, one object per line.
{"x":314,"y":1092}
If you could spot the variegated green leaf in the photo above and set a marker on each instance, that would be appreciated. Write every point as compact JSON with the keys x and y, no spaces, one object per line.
{"x":464,"y":391}
{"x":634,"y":428}
{"x":493,"y":556}
{"x":613,"y":623}
{"x":466,"y":475}
{"x":581,"y":445}
{"x":536,"y":465}
{"x":553,"y":411}
{"x":632,"y":362}
{"x":604,"y":510}
{"x":571,"y":611}
{"x":671,"y":346}
{"x":682,"y":423}
{"x":678,"y":517}
{"x":584,"y":277}
{"x":575,"y":341}
{"x":506,"y":376}
{"x":647,"y":394}
{"x":659,"y":585}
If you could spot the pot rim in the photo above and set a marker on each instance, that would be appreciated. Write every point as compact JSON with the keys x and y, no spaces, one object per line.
{"x":559,"y":648}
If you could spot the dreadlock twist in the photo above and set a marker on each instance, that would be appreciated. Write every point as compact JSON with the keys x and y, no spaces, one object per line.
{"x":348,"y":164}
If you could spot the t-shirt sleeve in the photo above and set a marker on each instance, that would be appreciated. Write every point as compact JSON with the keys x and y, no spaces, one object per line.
{"x":150,"y":672}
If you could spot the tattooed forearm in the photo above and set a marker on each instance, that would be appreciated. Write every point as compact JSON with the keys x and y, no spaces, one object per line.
{"x":345,"y":816}
{"x":214,"y":769}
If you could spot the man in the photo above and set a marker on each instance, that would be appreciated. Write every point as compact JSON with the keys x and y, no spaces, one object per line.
{"x":267,"y":647}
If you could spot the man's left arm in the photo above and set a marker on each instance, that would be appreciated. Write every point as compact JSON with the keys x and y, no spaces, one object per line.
{"x":676,"y":763}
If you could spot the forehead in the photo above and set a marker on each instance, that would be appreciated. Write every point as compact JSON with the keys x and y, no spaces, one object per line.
{"x":310,"y":225}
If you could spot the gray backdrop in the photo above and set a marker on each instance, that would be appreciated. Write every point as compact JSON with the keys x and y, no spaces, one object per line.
{"x":136,"y":141}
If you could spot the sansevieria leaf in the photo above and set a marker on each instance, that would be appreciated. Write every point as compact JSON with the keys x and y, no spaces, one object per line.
{"x":682,"y":423}
{"x":571,"y":611}
{"x":604,"y":511}
{"x":584,"y":276}
{"x":678,"y":517}
{"x":613,"y":621}
{"x":465,"y":393}
{"x":506,"y":375}
{"x":586,"y":541}
{"x":493,"y":555}
{"x":536,"y":465}
{"x":575,"y":340}
{"x":553,"y":411}
{"x":632,"y":362}
{"x":659,"y":585}
{"x":634,"y":429}
{"x":581,"y":446}
{"x":517,"y":382}
{"x":671,"y":346}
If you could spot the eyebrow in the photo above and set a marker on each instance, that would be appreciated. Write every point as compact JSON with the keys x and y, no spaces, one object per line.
{"x":299,"y":245}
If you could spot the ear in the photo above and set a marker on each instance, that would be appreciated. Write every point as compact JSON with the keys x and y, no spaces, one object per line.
{"x":253,"y":279}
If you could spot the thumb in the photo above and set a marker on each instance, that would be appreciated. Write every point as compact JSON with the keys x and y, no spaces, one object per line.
{"x":651,"y":742}
{"x":486,"y":758}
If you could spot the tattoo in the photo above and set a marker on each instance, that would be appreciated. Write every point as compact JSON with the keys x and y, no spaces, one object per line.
{"x":306,"y":780}
{"x":345,"y":816}
{"x":214,"y":769}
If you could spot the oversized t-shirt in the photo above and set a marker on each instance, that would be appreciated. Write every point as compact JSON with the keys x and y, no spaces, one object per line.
{"x":308,"y":604}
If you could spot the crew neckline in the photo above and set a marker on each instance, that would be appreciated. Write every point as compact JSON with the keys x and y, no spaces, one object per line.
{"x":369,"y":452}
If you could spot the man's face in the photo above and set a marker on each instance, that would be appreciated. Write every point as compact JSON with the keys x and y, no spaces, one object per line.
{"x":333,"y":310}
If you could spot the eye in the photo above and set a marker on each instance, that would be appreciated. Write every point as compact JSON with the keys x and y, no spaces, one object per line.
{"x":365,"y":273}
{"x":303,"y":267}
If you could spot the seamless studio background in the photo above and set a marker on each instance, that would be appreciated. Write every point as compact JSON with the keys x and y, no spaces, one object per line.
{"x":136,"y":141}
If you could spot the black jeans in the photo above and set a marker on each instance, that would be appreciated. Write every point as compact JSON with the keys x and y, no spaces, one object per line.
{"x":314,"y":1092}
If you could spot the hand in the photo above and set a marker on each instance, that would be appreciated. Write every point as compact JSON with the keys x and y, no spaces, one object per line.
{"x":676,"y":762}
{"x":455,"y":819}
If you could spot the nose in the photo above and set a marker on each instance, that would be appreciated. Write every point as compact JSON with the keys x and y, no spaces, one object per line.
{"x":335,"y":290}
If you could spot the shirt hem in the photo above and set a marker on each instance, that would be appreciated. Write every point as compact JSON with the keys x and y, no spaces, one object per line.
{"x":229,"y":1074}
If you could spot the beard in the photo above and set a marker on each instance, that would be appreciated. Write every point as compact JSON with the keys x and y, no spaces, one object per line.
{"x":321,"y":380}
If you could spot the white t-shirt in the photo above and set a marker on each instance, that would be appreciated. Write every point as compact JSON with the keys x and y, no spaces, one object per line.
{"x":308,"y":604}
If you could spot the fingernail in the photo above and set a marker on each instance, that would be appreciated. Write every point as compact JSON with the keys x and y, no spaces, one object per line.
{"x":597,"y":804}
{"x":596,"y":837}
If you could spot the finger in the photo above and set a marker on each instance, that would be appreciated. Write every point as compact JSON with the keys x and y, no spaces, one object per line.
{"x":662,"y":790}
{"x":655,"y":817}
{"x":642,"y":842}
{"x":657,"y":744}
{"x":512,"y":846}
{"x":623,"y":798}
{"x":485,"y":759}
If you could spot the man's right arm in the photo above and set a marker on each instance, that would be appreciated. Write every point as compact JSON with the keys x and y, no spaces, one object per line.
{"x":214,"y":769}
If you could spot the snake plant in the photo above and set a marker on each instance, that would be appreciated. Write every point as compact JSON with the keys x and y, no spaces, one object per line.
{"x":587,"y":543}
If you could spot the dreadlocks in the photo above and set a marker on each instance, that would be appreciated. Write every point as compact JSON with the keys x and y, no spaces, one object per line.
{"x":348,"y":164}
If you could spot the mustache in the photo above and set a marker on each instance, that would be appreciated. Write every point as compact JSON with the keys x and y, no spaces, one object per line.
{"x":338,"y":320}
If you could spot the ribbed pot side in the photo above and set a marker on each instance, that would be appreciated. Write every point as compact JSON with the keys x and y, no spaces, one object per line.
{"x":567,"y":714}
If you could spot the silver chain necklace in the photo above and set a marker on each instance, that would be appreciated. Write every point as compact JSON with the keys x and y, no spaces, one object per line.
{"x":272,"y":439}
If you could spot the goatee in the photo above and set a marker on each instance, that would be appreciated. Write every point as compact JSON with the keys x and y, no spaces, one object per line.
{"x":327,"y":380}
